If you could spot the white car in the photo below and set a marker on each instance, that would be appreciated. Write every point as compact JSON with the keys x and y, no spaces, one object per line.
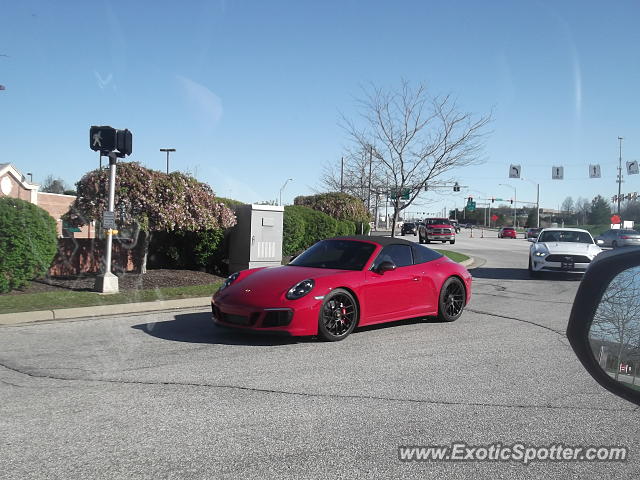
{"x":562,"y":250}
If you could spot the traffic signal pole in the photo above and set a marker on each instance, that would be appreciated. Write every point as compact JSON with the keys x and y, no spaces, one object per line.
{"x":108,"y":282}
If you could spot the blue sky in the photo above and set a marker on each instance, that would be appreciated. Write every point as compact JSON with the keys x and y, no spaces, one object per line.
{"x":250,"y":92}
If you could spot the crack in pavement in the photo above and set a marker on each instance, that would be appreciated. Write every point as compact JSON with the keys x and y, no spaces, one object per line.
{"x":547,"y":406}
{"x":558,"y":332}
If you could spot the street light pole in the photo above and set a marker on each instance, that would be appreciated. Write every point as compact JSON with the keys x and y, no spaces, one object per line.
{"x":167,"y":150}
{"x":620,"y":174}
{"x":282,"y":188}
{"x":515,"y":203}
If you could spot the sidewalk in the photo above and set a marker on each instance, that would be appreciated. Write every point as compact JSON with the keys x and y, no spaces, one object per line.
{"x":102,"y":310}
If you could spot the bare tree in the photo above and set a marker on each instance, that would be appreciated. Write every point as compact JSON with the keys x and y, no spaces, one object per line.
{"x":583,"y":208}
{"x":53,"y":185}
{"x":567,"y":205}
{"x":414,"y":138}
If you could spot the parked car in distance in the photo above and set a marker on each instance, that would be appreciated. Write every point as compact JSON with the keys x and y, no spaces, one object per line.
{"x":437,"y":230}
{"x":507,"y":232}
{"x":533,"y":232}
{"x":617,"y":237}
{"x":409,"y":227}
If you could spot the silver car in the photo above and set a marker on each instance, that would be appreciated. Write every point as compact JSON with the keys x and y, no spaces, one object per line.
{"x":619,"y":238}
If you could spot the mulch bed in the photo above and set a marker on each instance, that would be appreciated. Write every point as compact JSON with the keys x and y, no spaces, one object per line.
{"x":126,"y":281}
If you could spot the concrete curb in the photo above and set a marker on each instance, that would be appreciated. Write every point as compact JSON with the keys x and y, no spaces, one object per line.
{"x":467,"y":262}
{"x":101,"y":310}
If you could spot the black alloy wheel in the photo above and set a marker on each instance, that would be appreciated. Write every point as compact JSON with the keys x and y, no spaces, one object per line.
{"x":338,"y":315}
{"x":452,"y":300}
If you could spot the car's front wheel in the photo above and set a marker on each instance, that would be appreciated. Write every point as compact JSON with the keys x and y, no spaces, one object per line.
{"x":338,"y":315}
{"x":452,"y":300}
{"x":614,"y":244}
{"x":532,"y":272}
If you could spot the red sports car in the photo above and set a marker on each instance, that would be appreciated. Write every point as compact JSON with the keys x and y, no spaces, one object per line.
{"x":342,"y":282}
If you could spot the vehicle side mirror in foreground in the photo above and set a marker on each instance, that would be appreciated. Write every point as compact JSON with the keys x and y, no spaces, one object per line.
{"x":604,"y":327}
{"x":386,"y":267}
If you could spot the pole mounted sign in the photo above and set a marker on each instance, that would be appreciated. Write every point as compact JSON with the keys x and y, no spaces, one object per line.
{"x":114,"y":144}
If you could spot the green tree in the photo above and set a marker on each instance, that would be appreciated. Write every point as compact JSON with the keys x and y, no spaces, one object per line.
{"x":152,"y":201}
{"x":600,"y":213}
{"x":28,"y":243}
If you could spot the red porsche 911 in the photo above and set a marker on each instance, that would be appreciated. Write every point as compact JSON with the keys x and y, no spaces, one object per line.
{"x":341,"y":283}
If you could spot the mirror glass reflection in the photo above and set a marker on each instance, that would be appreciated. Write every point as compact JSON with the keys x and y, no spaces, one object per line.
{"x":615,"y":331}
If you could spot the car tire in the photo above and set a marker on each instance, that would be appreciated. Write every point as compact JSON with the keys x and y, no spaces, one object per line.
{"x":426,"y":240}
{"x":338,"y":306}
{"x":614,"y":244}
{"x":452,"y":242}
{"x":420,"y":240}
{"x":532,"y":272}
{"x":452,"y":300}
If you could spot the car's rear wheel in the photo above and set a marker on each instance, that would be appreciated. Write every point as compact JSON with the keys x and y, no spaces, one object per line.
{"x":338,"y":315}
{"x":614,"y":244}
{"x":452,"y":242}
{"x":452,"y":300}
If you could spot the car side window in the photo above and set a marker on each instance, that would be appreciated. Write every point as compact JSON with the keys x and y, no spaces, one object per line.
{"x":400,"y":255}
{"x":422,"y":254}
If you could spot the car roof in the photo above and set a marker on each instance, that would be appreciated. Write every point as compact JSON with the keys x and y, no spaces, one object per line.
{"x":383,"y":241}
{"x":558,"y":229}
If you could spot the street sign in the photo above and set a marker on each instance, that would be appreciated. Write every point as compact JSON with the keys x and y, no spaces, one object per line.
{"x":615,"y":219}
{"x":494,"y":218}
{"x":514,"y":171}
{"x":594,"y":171}
{"x":632,"y":167}
{"x":557,"y":173}
{"x":471,"y":206}
{"x":108,"y":220}
{"x":404,"y":195}
{"x":499,"y":199}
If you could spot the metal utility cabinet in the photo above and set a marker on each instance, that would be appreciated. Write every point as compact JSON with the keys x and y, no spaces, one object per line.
{"x":256,"y":240}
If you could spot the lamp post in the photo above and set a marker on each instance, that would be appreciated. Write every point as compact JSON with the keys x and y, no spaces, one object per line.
{"x":537,"y":200}
{"x":620,"y":174}
{"x":282,"y":188}
{"x":515,"y":203}
{"x":167,"y":150}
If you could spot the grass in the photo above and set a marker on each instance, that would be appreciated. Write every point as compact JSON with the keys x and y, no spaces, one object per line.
{"x":455,"y":256}
{"x":66,"y":298}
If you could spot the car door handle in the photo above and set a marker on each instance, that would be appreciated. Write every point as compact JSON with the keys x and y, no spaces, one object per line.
{"x":416,"y":279}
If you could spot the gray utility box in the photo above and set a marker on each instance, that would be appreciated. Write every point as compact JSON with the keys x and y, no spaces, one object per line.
{"x":256,"y":240}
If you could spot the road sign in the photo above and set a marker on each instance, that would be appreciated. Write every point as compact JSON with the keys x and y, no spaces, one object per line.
{"x":594,"y":171}
{"x":632,"y":167}
{"x":108,"y":220}
{"x":471,"y":206}
{"x":499,"y":199}
{"x":404,"y":195}
{"x":615,"y":219}
{"x":514,"y":171}
{"x":557,"y":173}
{"x":494,"y":218}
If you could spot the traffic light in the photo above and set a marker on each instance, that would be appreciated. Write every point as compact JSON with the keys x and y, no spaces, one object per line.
{"x":470,"y":199}
{"x":511,"y":201}
{"x":124,"y":141}
{"x":102,"y":139}
{"x":456,"y":187}
{"x":493,"y":199}
{"x":614,"y":199}
{"x":635,"y":196}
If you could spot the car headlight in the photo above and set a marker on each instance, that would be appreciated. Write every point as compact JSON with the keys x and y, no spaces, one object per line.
{"x":300,"y":289}
{"x":541,"y":254}
{"x":229,"y":280}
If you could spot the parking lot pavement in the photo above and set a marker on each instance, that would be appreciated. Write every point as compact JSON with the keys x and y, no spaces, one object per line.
{"x":168,"y":395}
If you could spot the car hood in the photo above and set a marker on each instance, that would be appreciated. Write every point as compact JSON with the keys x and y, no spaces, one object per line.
{"x":569,"y":248}
{"x":281,"y":279}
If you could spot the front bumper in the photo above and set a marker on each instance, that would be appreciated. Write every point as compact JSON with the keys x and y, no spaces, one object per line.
{"x":297,"y":320}
{"x":541,"y":265}
{"x":441,"y":236}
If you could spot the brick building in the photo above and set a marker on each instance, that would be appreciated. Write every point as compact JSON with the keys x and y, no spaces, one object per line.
{"x":14,"y":184}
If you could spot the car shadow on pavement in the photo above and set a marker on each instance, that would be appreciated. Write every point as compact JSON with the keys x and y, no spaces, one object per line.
{"x":521,"y":274}
{"x":199,"y":328}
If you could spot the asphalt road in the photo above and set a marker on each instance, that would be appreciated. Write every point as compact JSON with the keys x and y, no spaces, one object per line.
{"x":167,"y":395}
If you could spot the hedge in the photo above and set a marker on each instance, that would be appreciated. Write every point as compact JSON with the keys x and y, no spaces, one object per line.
{"x":28,"y":243}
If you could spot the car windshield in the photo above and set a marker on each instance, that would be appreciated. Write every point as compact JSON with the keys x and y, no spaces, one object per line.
{"x":565,"y":236}
{"x":409,"y":224}
{"x":338,"y":254}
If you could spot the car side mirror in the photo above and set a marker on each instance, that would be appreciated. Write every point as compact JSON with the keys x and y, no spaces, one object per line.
{"x":604,"y":327}
{"x":533,"y":240}
{"x":386,"y":266}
